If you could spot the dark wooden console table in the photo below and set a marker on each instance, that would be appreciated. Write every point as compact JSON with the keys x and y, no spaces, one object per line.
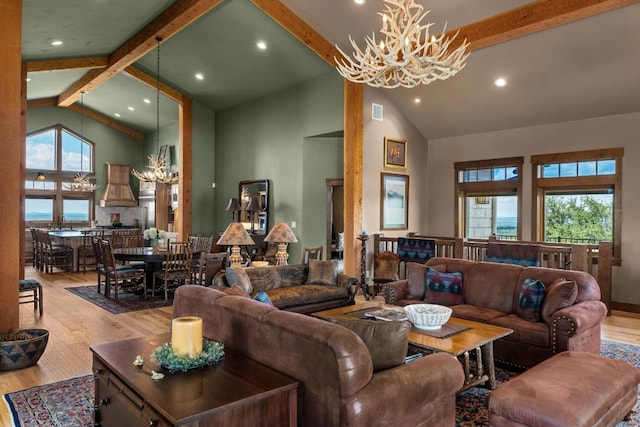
{"x":235,"y":392}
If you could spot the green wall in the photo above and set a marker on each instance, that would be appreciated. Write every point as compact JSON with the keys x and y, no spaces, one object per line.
{"x":265,"y":139}
{"x":322,"y":159}
{"x":110,"y":145}
{"x":203,"y":155}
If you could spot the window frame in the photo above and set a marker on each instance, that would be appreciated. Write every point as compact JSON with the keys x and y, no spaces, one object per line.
{"x":579,"y":184}
{"x":506,"y":187}
{"x":59,"y":177}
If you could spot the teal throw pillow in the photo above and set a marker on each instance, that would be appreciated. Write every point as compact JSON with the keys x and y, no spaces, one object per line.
{"x":530,"y":300}
{"x":443,"y":288}
{"x":263,"y":297}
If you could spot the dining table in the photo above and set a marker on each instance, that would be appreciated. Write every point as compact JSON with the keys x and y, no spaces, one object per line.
{"x":152,"y":256}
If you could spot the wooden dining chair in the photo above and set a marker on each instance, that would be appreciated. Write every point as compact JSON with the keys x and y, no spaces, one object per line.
{"x":311,"y":253}
{"x":120,"y":276}
{"x":55,"y":255}
{"x":86,"y":251}
{"x":100,"y":264}
{"x":208,"y":265}
{"x":176,"y":269}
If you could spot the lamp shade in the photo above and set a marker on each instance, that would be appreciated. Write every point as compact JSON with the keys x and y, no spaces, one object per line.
{"x":254,"y":204}
{"x":233,"y":205}
{"x":281,"y":233}
{"x":235,"y":235}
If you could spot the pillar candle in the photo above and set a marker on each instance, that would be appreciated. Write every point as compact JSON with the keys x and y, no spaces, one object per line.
{"x":186,"y":335}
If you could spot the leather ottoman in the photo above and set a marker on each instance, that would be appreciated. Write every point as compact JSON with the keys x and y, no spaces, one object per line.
{"x":569,"y":389}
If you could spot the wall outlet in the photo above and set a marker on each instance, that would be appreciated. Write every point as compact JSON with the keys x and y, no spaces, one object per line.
{"x":213,"y":185}
{"x":293,"y":224}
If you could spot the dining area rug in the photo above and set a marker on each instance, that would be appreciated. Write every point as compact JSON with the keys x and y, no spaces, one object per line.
{"x":127,"y":299}
{"x":69,"y":403}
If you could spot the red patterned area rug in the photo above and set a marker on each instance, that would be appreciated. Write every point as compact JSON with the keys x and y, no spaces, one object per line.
{"x":127,"y":300}
{"x":70,"y":403}
{"x":66,"y":403}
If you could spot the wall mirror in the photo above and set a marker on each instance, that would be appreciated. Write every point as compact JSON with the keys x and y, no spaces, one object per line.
{"x":254,"y":200}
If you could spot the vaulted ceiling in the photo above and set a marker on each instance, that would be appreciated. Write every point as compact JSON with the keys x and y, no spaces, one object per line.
{"x":557,"y":67}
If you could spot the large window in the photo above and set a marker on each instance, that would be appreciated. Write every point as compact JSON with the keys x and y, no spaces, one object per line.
{"x":488,"y":198}
{"x":577,"y":197}
{"x":53,"y":158}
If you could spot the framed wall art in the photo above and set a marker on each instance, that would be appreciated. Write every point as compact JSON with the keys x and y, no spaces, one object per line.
{"x":394,"y":201}
{"x":395,"y":153}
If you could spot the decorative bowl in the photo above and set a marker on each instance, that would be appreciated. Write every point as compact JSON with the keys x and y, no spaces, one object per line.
{"x":259,"y":263}
{"x":427,"y":316}
{"x":22,"y":348}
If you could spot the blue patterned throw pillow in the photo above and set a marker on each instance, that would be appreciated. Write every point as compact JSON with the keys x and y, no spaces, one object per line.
{"x":263,"y":297}
{"x":443,"y":288}
{"x":530,"y":300}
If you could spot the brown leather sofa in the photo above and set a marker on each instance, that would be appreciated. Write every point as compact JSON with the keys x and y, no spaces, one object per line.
{"x":287,"y":288}
{"x":337,"y":384}
{"x":490,"y":293}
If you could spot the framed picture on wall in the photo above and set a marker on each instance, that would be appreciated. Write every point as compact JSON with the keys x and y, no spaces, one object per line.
{"x":395,"y":153}
{"x":394,"y":201}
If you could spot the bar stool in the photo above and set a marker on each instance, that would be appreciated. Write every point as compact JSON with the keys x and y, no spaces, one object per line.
{"x":35,"y":289}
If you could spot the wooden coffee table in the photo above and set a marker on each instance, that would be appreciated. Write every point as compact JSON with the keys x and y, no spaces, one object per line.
{"x":478,"y":339}
{"x":235,"y":392}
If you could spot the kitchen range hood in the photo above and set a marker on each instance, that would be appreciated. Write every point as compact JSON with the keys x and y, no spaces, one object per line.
{"x":117,"y":192}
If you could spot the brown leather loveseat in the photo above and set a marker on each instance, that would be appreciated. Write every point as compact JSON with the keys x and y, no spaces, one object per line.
{"x":490,"y":293}
{"x":293,"y":287}
{"x":333,"y":366}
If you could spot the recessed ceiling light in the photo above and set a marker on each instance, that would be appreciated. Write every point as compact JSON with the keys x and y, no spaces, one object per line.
{"x":417,"y":100}
{"x":116,"y":114}
{"x":147,"y":101}
{"x":262,"y":45}
{"x":131,"y":109}
{"x":359,"y":1}
{"x":500,"y":82}
{"x":56,"y":43}
{"x":199,"y":76}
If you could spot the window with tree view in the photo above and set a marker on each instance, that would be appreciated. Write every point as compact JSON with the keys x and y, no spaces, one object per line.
{"x":578,"y":195}
{"x":488,"y":201}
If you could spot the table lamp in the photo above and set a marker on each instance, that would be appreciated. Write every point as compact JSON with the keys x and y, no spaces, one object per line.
{"x":282,"y":235}
{"x":235,"y":235}
{"x":233,"y":206}
{"x":252,"y":208}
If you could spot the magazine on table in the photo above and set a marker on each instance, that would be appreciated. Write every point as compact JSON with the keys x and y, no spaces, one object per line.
{"x":386,"y":314}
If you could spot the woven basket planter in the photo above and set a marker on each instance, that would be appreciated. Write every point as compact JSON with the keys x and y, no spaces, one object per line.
{"x":22,"y":348}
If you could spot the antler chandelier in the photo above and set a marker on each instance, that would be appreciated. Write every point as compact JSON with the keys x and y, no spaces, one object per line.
{"x":407,"y":56}
{"x":157,"y":168}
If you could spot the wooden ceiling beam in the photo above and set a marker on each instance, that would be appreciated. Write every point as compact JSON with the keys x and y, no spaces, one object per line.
{"x":176,"y":17}
{"x":66,"y":64}
{"x":52,"y":102}
{"x":530,"y":18}
{"x":300,"y":29}
{"x":151,"y":82}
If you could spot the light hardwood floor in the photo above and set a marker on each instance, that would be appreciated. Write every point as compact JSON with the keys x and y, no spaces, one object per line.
{"x":75,"y":324}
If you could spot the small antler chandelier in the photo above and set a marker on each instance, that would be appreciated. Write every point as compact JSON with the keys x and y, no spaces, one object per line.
{"x":157,"y":170}
{"x":407,"y":56}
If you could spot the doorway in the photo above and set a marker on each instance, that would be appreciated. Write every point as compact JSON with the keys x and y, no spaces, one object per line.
{"x":335,"y":218}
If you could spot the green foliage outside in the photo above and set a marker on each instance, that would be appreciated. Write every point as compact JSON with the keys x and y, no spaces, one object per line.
{"x":578,"y":219}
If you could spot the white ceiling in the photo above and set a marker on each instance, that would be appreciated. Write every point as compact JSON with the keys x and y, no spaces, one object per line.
{"x":583,"y":69}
